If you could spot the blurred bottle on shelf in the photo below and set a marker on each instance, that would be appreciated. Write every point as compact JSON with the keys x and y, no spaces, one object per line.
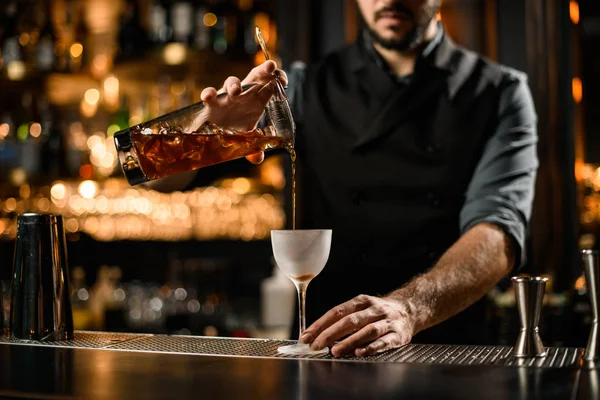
{"x":45,"y":57}
{"x":80,"y":300}
{"x":237,"y":29}
{"x":29,"y":135}
{"x":246,"y":27}
{"x":181,"y":14}
{"x":201,"y":29}
{"x":12,"y":51}
{"x":64,"y":36}
{"x":76,"y":144}
{"x":133,"y":39}
{"x":100,"y":296}
{"x":27,"y":25}
{"x":160,"y":32}
{"x":221,"y":26}
{"x":53,"y":152}
{"x":175,"y":294}
{"x":79,"y":50}
{"x":114,"y":310}
{"x":277,"y":302}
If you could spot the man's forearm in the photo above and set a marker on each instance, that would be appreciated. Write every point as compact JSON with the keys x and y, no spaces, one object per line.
{"x":468,"y":270}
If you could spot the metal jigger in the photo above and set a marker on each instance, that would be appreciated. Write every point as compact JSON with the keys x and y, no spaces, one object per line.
{"x":592,"y":280}
{"x":530,"y":295}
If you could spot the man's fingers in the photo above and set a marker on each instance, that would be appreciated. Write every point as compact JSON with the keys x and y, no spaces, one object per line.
{"x":364,"y":336}
{"x":263,"y":70}
{"x":283,"y":77}
{"x":262,"y":73}
{"x":387,"y":342}
{"x":256,"y":158}
{"x":332,"y":316}
{"x":233,"y":86}
{"x":345,"y":326}
{"x":208,"y":94}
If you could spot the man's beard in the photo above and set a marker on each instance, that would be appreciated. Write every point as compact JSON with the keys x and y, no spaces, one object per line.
{"x":413,"y":39}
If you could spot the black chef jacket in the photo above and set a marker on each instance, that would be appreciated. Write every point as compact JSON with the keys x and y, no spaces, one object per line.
{"x":400,"y":168}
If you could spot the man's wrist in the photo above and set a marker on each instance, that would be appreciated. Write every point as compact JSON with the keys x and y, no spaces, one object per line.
{"x":415,"y":312}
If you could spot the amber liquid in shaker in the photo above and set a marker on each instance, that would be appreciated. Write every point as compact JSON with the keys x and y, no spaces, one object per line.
{"x":173,"y":152}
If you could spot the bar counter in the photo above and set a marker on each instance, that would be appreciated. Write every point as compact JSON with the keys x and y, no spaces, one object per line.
{"x":131,"y":366}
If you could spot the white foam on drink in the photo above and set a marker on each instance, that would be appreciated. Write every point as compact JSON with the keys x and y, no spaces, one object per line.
{"x":301,"y":252}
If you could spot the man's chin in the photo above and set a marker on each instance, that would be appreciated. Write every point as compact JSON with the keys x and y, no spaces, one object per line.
{"x":392,"y":38}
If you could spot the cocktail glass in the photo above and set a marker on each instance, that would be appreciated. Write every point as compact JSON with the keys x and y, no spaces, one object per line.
{"x":301,"y":255}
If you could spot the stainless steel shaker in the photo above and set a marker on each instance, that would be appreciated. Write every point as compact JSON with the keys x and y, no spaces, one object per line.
{"x":40,"y":297}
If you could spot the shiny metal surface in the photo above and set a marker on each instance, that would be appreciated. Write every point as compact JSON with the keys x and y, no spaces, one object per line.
{"x":40,"y":295}
{"x":591,"y":268}
{"x":588,"y":382}
{"x":530,"y":295}
{"x":53,"y":372}
{"x":267,"y":348}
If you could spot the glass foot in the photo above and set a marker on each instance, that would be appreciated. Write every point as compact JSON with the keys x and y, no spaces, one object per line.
{"x":301,"y":349}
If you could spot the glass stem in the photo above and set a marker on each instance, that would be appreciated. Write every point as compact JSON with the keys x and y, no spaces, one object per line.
{"x":301,"y":289}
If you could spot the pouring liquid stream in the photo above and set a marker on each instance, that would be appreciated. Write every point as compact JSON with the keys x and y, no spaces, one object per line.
{"x":292,"y":152}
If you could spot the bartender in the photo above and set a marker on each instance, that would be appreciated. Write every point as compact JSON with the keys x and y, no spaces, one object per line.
{"x":421,"y":157}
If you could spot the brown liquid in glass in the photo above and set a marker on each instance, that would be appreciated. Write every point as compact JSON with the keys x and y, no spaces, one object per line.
{"x":173,"y":152}
{"x":303,"y":278}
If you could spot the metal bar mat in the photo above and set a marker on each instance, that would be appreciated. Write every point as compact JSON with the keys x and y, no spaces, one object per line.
{"x":557,"y":357}
{"x":87,"y":340}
